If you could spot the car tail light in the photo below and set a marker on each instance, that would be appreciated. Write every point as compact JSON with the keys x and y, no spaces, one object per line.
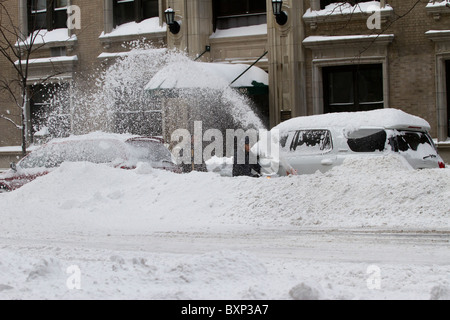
{"x":441,"y":165}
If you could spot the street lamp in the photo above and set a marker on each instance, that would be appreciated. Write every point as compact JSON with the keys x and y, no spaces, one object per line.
{"x":174,"y":26}
{"x":278,"y":12}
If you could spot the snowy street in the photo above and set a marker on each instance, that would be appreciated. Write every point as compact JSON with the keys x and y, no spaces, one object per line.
{"x":369,"y":229}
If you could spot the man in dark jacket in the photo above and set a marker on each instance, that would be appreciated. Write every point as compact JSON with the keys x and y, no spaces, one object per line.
{"x":247,"y":168}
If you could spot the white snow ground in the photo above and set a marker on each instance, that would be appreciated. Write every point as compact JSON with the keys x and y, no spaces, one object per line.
{"x":370,"y":229}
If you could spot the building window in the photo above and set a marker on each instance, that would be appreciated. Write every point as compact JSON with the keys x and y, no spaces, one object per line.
{"x":353,"y":88}
{"x":238,"y":13}
{"x":134,"y":10}
{"x":447,"y":72}
{"x":47,"y":14}
{"x":324,"y":3}
{"x":50,"y":109}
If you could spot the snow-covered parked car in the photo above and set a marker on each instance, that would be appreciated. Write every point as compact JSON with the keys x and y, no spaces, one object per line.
{"x":318,"y":143}
{"x":119,"y":151}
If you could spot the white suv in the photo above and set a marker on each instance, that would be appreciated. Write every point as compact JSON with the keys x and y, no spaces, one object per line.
{"x":318,"y":143}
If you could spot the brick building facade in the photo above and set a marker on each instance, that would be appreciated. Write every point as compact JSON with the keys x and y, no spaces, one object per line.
{"x":326,"y":57}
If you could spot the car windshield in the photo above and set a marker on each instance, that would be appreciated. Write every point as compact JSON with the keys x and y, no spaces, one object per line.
{"x":307,"y":142}
{"x":148,"y":151}
{"x":53,"y":154}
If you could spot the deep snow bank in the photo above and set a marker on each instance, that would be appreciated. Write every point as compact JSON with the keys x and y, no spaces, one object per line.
{"x":41,"y":273}
{"x":84,"y":198}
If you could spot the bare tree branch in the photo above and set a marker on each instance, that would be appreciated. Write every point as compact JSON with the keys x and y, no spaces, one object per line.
{"x":17,"y":49}
{"x":11,"y":121}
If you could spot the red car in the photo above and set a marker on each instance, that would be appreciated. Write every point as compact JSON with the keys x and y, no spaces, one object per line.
{"x":119,"y":151}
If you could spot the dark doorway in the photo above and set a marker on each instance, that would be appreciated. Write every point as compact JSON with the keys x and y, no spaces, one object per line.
{"x":353,"y":88}
{"x":447,"y":72}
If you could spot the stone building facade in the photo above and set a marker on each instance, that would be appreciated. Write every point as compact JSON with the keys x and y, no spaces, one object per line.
{"x":326,"y":57}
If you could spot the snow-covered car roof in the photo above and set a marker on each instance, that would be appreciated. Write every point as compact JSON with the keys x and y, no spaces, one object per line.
{"x":96,"y":136}
{"x":382,"y":118}
{"x":105,"y":136}
{"x":97,"y":147}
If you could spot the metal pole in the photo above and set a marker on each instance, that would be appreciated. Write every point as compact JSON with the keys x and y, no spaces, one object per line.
{"x":249,"y":67}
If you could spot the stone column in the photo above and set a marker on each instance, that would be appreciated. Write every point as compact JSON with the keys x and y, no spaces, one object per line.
{"x":286,"y":63}
{"x":108,"y":16}
{"x":198,"y":19}
{"x":195,"y":18}
{"x":178,"y":40}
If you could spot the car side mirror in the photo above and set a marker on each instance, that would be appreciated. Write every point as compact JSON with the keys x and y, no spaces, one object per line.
{"x":13,"y":166}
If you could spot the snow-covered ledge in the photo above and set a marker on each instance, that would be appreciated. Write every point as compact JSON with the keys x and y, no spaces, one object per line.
{"x":342,"y":11}
{"x":44,"y":39}
{"x":52,"y":68}
{"x":149,"y":29}
{"x":322,"y":42}
{"x":438,"y":35}
{"x":436,"y":8}
{"x":115,"y":55}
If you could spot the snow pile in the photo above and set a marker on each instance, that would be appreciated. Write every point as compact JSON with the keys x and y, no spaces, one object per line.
{"x":133,"y":233}
{"x":362,"y":193}
{"x":222,"y":166}
{"x":307,"y":291}
{"x":43,"y":272}
{"x":214,"y":275}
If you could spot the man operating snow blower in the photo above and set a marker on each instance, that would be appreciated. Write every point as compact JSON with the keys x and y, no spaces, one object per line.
{"x":246,"y":165}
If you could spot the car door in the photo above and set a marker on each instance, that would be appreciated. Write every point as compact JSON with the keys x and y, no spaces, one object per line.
{"x":308,"y":151}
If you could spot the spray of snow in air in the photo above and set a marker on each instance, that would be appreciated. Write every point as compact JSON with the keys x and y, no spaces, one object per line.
{"x":114,"y":98}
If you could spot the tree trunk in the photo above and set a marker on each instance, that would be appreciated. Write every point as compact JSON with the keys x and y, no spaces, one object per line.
{"x":24,"y":119}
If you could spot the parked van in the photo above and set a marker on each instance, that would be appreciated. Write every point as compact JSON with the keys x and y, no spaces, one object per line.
{"x":318,"y":143}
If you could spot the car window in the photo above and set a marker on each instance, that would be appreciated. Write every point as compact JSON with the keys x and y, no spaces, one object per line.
{"x":367,"y":140}
{"x":44,"y":157}
{"x":409,"y":140}
{"x":307,"y":142}
{"x":417,"y":144}
{"x":148,"y":151}
{"x":54,"y":154}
